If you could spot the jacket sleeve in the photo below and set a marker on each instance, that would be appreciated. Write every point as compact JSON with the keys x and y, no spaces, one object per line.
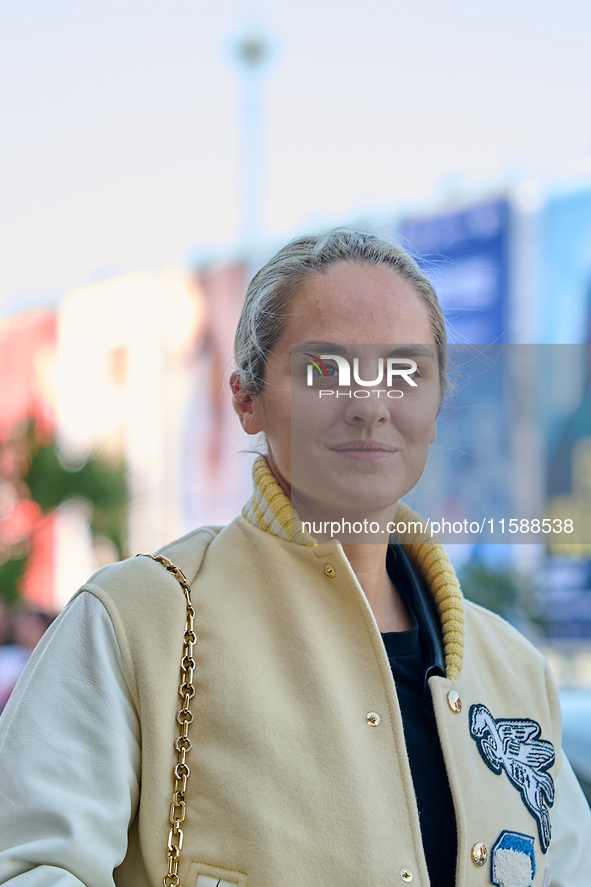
{"x":69,"y":757}
{"x":569,"y":854}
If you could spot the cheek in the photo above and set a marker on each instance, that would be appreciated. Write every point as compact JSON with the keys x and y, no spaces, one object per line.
{"x":275,"y":407}
{"x":312,"y":415}
{"x":415,"y":415}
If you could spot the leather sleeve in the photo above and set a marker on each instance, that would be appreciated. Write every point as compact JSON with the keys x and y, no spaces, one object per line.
{"x":569,"y":854}
{"x":69,"y":757}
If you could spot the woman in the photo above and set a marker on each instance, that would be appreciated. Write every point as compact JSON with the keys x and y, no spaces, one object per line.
{"x":296,"y":758}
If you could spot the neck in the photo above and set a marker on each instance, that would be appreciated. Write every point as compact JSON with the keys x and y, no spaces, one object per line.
{"x":283,"y":483}
{"x":369,"y":565}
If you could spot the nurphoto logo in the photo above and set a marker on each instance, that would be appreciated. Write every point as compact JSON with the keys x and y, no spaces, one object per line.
{"x":396,"y":368}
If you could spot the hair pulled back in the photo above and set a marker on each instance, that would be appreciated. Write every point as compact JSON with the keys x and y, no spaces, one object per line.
{"x":272,"y":290}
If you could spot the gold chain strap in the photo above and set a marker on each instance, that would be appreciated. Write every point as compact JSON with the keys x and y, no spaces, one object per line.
{"x":182,"y":743}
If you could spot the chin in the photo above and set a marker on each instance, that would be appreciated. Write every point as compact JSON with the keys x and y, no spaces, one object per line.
{"x":351,"y":496}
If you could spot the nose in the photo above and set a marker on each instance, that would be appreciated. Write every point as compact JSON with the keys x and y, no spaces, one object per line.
{"x":367,"y":407}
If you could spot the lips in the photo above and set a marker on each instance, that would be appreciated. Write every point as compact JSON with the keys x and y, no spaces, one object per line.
{"x":364,"y":450}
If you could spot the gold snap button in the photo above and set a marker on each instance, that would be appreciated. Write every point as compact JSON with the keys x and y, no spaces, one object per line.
{"x":479,"y":854}
{"x":330,"y":570}
{"x":373,"y":719}
{"x":406,"y":875}
{"x":454,"y":701}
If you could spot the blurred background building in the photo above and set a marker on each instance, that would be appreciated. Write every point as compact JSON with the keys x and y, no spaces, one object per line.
{"x":154,"y":156}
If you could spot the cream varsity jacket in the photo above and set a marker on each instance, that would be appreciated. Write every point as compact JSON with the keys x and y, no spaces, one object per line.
{"x":292,"y":782}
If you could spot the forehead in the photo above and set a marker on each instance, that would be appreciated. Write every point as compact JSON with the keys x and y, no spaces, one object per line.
{"x":353,"y":303}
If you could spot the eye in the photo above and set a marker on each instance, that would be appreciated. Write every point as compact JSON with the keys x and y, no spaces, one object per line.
{"x":325,"y":372}
{"x":315,"y":368}
{"x":419,"y":373}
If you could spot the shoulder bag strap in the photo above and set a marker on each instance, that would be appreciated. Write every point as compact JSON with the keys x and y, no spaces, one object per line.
{"x":184,"y":717}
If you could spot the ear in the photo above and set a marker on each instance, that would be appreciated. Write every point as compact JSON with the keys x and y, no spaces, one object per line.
{"x":246,"y":405}
{"x":433,"y":432}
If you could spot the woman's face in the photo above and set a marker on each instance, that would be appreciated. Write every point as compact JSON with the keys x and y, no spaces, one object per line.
{"x":341,"y":452}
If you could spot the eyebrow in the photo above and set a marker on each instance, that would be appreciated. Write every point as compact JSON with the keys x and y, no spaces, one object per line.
{"x":336,"y":348}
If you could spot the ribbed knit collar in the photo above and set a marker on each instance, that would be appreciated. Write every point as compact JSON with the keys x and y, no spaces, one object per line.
{"x":271,"y":511}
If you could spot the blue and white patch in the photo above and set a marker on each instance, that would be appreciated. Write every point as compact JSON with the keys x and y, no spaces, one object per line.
{"x":513,"y":861}
{"x":513,"y":745}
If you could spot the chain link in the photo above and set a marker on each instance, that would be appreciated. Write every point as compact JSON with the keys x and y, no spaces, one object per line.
{"x":184,"y":717}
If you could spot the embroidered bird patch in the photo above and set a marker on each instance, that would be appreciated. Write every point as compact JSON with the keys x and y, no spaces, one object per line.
{"x":513,"y":745}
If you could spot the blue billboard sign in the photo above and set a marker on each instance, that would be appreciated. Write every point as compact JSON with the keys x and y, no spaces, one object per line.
{"x":563,"y":269}
{"x":465,"y":255}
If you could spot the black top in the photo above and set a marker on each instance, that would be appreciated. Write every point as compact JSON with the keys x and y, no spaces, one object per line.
{"x":413,"y":655}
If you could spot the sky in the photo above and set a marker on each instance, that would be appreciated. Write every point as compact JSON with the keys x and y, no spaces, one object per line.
{"x":120,"y":141}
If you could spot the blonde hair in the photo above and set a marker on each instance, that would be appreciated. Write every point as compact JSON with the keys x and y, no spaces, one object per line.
{"x":272,"y":289}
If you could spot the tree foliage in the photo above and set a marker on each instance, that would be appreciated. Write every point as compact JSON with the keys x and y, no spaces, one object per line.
{"x":32,"y":471}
